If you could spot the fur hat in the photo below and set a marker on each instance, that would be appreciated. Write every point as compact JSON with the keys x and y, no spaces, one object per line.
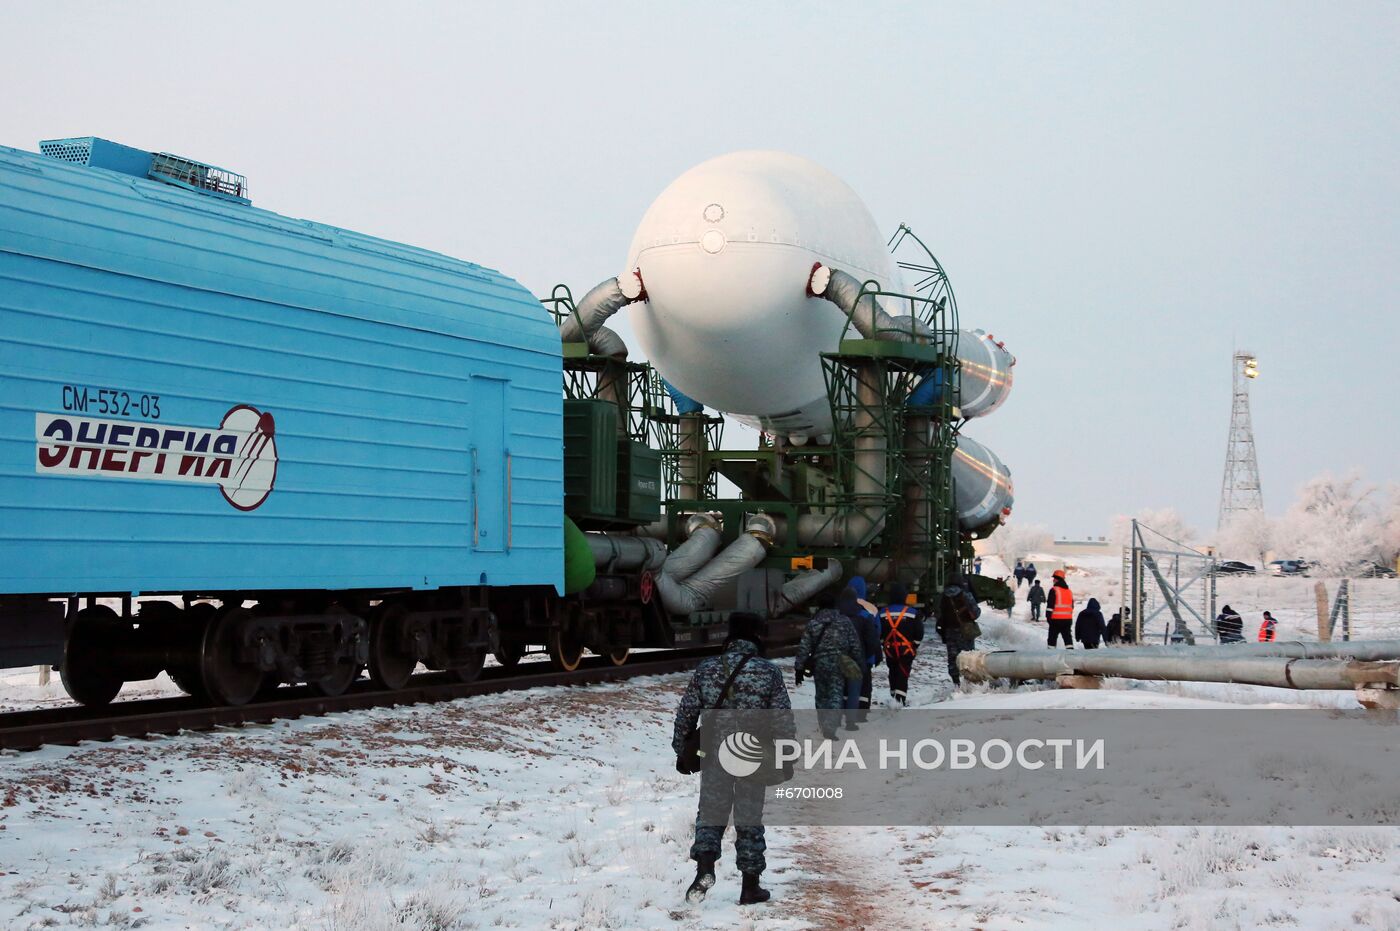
{"x":745,"y":625}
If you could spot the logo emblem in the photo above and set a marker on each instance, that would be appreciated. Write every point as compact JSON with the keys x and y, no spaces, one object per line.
{"x":255,"y":468}
{"x":741,"y":754}
{"x":239,"y":456}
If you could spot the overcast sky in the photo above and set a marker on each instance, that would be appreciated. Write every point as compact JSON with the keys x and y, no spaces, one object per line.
{"x":1123,"y":193}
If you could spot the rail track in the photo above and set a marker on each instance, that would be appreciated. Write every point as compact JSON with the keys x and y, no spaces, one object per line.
{"x":68,"y":725}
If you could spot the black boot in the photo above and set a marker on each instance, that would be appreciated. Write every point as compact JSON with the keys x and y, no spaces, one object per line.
{"x":704,"y":879}
{"x":752,"y":892}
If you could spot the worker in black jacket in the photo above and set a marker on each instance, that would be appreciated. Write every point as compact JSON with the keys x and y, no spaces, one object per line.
{"x":1089,"y":625}
{"x":957,"y":622}
{"x":852,"y":603}
{"x":1114,"y":631}
{"x":1229,"y":626}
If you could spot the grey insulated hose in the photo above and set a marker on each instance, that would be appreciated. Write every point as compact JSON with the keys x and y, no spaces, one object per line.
{"x":686,"y":596}
{"x":806,"y":585}
{"x":585,"y":324}
{"x":866,"y":314}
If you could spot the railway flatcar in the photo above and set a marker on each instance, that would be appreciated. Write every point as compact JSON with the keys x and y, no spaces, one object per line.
{"x":249,"y":449}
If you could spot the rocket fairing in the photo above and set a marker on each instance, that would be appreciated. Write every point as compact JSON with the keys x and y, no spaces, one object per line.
{"x":726,"y":252}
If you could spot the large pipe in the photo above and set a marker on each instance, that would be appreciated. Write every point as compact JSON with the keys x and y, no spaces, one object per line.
{"x":806,"y":585}
{"x":859,"y":525}
{"x":688,"y":595}
{"x":920,"y":534}
{"x":585,"y":324}
{"x":1277,"y":671}
{"x":690,"y":461}
{"x":701,"y":543}
{"x":864,"y":311}
{"x":618,"y":553}
{"x":1364,"y":650}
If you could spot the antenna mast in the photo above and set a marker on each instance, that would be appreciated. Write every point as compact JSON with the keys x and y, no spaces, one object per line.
{"x":1239,"y":490}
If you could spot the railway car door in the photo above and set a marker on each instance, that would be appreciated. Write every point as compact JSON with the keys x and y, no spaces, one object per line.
{"x":490,"y":465}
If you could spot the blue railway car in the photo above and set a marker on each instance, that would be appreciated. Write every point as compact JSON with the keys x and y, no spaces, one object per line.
{"x":326,"y":449}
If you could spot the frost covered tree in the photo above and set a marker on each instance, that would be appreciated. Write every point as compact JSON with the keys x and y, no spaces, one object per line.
{"x":1247,"y":535}
{"x":1334,"y":524}
{"x":1016,"y":541}
{"x":1390,"y":527}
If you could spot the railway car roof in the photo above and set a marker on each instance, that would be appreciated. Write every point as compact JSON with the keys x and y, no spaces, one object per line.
{"x":103,"y":219}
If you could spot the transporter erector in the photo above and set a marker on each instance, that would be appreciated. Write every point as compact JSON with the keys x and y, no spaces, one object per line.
{"x":249,"y":450}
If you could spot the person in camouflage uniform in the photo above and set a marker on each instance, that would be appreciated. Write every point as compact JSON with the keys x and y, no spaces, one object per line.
{"x":758,"y":686}
{"x":957,"y":623}
{"x":829,"y":636}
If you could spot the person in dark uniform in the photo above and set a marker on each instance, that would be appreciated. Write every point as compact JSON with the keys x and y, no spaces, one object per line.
{"x":861,"y":614}
{"x":1036,"y":597}
{"x":830,"y":652}
{"x":901,"y":632}
{"x":1114,"y":631}
{"x":1089,"y":625}
{"x":1229,"y":626}
{"x":753,"y":683}
{"x":957,"y":623}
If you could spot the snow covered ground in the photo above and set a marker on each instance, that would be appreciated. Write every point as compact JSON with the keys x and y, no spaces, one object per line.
{"x":560,"y":809}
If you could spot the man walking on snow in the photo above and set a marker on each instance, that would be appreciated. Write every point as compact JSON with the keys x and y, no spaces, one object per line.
{"x":901,"y":632}
{"x":1089,"y":626}
{"x":957,"y":623}
{"x":861,"y":614}
{"x":830,"y":653}
{"x":1059,"y":610}
{"x":739,"y":678}
{"x":1229,"y":626}
{"x":1036,"y":597}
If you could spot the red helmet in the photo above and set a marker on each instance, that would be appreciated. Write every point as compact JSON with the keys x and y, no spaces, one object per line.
{"x":1058,"y":574}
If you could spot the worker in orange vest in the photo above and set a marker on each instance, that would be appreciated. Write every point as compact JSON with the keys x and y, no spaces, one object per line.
{"x":1059,"y":610}
{"x":1268,"y":628}
{"x":901,"y":632}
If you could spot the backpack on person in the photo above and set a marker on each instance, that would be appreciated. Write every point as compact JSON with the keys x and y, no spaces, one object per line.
{"x":966,"y":610}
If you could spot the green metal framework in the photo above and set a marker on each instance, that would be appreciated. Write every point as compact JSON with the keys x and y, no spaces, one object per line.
{"x":900,"y":452}
{"x":593,"y":377}
{"x":668,"y":426}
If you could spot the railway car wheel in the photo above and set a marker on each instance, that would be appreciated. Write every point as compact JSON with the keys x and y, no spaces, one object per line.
{"x":471,"y":669}
{"x":619,"y":656}
{"x":565,"y":648}
{"x":343,"y":673}
{"x":390,"y":666}
{"x":184,"y":672}
{"x":509,"y":655}
{"x":228,"y":679}
{"x":88,"y":672}
{"x":338,"y":680}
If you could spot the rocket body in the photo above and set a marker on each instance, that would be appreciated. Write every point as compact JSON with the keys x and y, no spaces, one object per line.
{"x":725,"y":252}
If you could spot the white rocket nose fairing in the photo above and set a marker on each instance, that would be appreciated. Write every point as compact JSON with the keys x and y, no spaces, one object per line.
{"x":725,"y":252}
